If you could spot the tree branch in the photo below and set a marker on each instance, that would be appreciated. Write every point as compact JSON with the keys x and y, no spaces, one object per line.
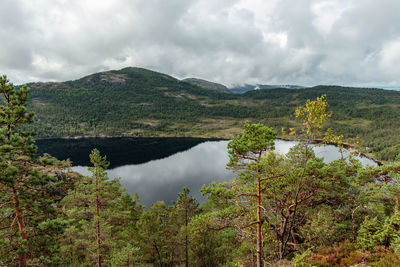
{"x":301,"y":200}
{"x":272,"y":177}
{"x":247,"y":194}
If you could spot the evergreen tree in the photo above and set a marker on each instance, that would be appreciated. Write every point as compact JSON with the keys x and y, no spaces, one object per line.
{"x":97,"y":211}
{"x":154,"y":235}
{"x":272,"y":192}
{"x":28,"y":223}
{"x":186,"y":207}
{"x":247,"y":155}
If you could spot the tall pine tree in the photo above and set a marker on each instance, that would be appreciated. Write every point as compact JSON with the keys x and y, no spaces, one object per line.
{"x":98,"y":213}
{"x":28,"y":223}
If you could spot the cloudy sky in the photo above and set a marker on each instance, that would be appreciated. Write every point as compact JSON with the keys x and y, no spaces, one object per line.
{"x":305,"y":42}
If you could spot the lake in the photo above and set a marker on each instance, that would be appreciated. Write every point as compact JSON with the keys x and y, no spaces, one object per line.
{"x":158,"y":168}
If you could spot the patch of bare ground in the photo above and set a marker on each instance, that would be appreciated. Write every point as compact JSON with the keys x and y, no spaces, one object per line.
{"x":222,"y":128}
{"x":52,"y":85}
{"x":179,"y":95}
{"x":114,"y":78}
{"x":365,"y":106}
{"x":355,"y":123}
{"x":38,"y":102}
{"x":235,"y":102}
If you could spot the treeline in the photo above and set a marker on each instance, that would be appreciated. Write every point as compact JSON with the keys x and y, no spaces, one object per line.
{"x":280,"y":210}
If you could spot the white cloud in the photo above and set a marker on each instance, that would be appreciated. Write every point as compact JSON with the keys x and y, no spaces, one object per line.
{"x":230,"y":41}
{"x":327,"y":13}
{"x":390,"y":58}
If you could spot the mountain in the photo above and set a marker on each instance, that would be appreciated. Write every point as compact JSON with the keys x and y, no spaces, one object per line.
{"x":140,"y":102}
{"x":126,"y":102}
{"x":248,"y":87}
{"x":207,"y":85}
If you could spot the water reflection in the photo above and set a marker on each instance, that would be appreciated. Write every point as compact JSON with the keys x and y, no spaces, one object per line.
{"x":163,"y":179}
{"x":121,"y":150}
{"x":328,"y":152}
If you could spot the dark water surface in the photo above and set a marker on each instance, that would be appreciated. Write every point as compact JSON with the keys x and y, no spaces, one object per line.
{"x":158,"y":168}
{"x":120,"y":151}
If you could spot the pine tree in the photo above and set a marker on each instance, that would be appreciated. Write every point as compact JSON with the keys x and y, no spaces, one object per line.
{"x":125,"y":247}
{"x":28,"y":223}
{"x":271,"y":192}
{"x":153,"y":234}
{"x":96,"y":211}
{"x":187,"y":208}
{"x":247,"y":155}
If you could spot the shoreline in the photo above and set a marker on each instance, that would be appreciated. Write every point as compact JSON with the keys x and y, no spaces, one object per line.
{"x":132,"y":137}
{"x":319,"y":141}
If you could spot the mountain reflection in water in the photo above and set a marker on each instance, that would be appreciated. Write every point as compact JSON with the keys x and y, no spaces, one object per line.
{"x":158,"y":168}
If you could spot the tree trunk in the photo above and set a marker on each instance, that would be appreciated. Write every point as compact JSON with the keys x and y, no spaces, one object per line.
{"x":158,"y":253}
{"x":127,"y":260}
{"x":17,"y":207}
{"x":282,"y":236}
{"x":21,"y":225}
{"x":186,"y":239}
{"x":98,"y":225}
{"x":259,"y":234}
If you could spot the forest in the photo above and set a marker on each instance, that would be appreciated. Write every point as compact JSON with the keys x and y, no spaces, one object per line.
{"x":280,"y":210}
{"x":139,"y":102}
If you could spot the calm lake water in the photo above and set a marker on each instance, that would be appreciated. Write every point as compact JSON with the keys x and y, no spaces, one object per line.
{"x":158,"y":168}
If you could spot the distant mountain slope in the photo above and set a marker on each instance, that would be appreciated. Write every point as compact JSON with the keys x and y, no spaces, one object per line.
{"x":129,"y":101}
{"x":207,"y":85}
{"x":139,"y":102}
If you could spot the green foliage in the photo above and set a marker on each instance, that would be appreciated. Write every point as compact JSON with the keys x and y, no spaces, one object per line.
{"x":97,"y":209}
{"x":300,"y":259}
{"x":388,"y":259}
{"x":313,"y":115}
{"x":211,"y":247}
{"x":256,"y":139}
{"x":374,"y":233}
{"x":367,"y":237}
{"x":29,"y":226}
{"x":248,"y":153}
{"x":302,"y":204}
{"x":163,"y":233}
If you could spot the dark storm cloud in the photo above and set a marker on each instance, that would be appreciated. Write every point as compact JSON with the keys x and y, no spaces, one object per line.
{"x":244,"y":41}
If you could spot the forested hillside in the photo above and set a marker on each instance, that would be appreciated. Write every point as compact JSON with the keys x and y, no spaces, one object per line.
{"x":280,"y":210}
{"x":139,"y":102}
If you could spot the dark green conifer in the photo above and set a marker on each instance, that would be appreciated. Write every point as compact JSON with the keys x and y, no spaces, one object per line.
{"x":28,"y":223}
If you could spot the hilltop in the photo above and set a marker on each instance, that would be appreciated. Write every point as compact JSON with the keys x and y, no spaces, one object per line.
{"x":140,"y":102}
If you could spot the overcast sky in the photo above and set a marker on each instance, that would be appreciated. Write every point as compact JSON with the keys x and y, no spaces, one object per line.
{"x":305,"y":42}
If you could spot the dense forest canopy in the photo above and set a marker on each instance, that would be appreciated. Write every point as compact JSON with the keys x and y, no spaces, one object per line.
{"x":280,"y":210}
{"x":139,"y":102}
